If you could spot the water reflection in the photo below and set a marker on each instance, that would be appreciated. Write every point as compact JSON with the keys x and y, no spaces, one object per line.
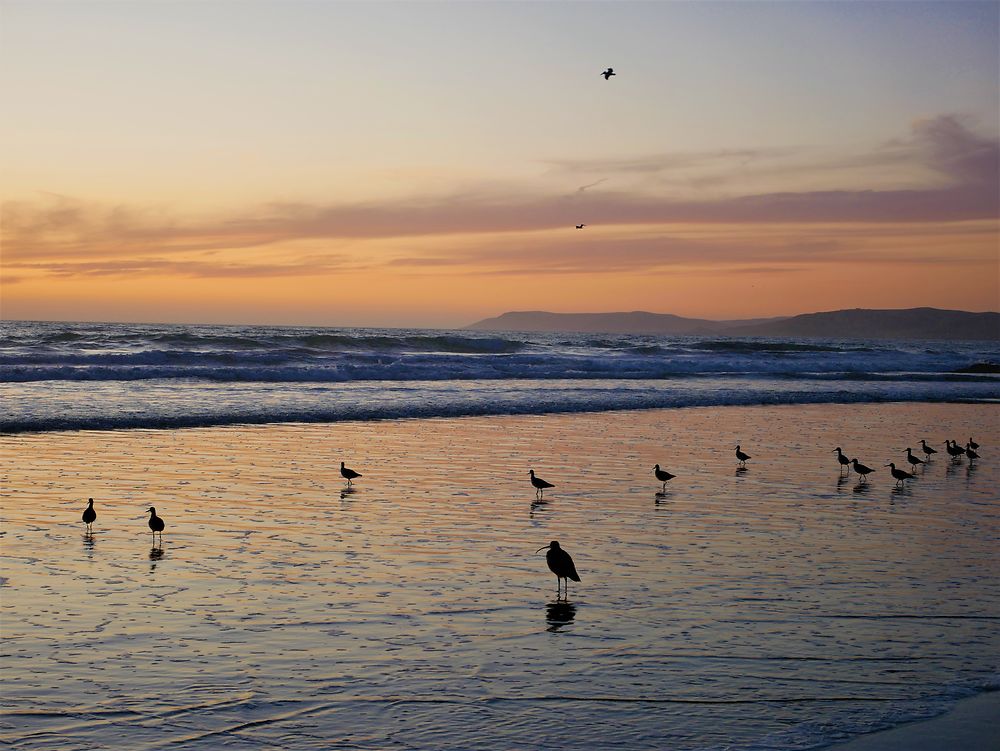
{"x":661,"y":496}
{"x":861,"y":487}
{"x":901,"y":490}
{"x":842,"y":481}
{"x":155,"y":554}
{"x":88,"y":543}
{"x":537,"y":505}
{"x":558,"y":614}
{"x":346,"y":491}
{"x":742,"y":471}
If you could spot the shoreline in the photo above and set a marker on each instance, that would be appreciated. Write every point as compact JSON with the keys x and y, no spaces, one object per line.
{"x":193,"y":424}
{"x":971,"y":725}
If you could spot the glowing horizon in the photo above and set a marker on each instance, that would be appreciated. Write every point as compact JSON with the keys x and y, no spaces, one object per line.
{"x":416,"y":173}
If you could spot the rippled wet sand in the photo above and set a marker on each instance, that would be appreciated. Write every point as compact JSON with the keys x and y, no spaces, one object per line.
{"x":777,"y":607}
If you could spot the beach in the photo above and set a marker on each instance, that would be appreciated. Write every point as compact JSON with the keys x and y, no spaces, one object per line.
{"x":777,"y":607}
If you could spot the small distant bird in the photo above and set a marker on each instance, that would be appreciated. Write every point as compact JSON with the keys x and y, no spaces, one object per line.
{"x":348,"y":474}
{"x":861,"y":469}
{"x":155,"y":524}
{"x":926,"y":449}
{"x":741,"y":456}
{"x":89,"y":515}
{"x":844,"y":461}
{"x":973,"y":444}
{"x":608,"y":73}
{"x":580,"y":226}
{"x":899,"y":474}
{"x":970,"y":452}
{"x":540,"y":485}
{"x":662,"y":475}
{"x":560,"y":564}
{"x":954,"y":449}
{"x":913,"y":460}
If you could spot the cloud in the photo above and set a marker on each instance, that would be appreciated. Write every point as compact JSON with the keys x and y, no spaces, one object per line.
{"x":67,"y":236}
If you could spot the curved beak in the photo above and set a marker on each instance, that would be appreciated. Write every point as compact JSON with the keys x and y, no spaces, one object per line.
{"x":541,"y":549}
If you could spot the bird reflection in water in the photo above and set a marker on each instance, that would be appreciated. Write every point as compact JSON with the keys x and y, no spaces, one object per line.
{"x":155,"y":554}
{"x":842,"y":481}
{"x":558,"y":614}
{"x":537,"y":505}
{"x":661,"y":496}
{"x":88,"y":543}
{"x":862,"y":487}
{"x":347,"y":490}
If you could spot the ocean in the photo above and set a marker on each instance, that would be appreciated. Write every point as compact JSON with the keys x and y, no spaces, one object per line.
{"x":782,"y":607}
{"x":71,"y":376}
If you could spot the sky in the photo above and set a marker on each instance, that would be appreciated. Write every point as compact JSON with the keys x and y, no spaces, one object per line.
{"x":425,"y":164}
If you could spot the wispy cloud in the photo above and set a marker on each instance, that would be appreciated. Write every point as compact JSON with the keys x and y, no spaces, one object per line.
{"x":65,"y":236}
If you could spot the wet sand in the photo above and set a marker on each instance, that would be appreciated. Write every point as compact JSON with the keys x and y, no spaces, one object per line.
{"x":778,"y":606}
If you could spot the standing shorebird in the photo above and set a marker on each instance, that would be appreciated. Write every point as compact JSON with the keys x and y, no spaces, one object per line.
{"x":560,"y":564}
{"x":348,"y":474}
{"x":861,"y":469}
{"x":89,"y":515}
{"x":954,"y":449}
{"x":973,"y":444}
{"x":844,"y":461}
{"x":662,"y":475}
{"x":608,"y":73}
{"x":899,"y":474}
{"x":970,"y":452}
{"x":540,"y":485}
{"x":926,"y":449}
{"x":913,"y":460}
{"x":155,"y":525}
{"x":741,"y":456}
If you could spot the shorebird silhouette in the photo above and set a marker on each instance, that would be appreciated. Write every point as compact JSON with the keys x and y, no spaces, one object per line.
{"x":973,"y":444}
{"x":954,"y":449}
{"x":899,"y":474}
{"x":861,"y":469}
{"x":348,"y":474}
{"x":741,"y":456}
{"x":539,"y":484}
{"x":155,"y":524}
{"x":971,"y":452}
{"x":560,"y":564}
{"x":844,"y":461}
{"x":662,"y":475}
{"x":926,"y":449}
{"x":608,"y":73}
{"x":913,"y":460}
{"x":580,"y":226}
{"x":89,"y":515}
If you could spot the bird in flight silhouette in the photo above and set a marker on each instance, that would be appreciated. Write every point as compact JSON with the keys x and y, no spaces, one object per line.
{"x":608,"y":73}
{"x":580,"y":226}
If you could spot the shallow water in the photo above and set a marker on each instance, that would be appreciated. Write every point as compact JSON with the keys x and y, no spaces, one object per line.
{"x":774,"y":608}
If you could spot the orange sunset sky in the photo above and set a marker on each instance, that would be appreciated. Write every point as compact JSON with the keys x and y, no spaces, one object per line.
{"x":425,"y":164}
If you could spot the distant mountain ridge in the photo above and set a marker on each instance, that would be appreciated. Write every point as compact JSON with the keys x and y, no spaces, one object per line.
{"x":858,"y":323}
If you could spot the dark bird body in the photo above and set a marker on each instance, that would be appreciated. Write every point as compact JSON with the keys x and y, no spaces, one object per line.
{"x":971,"y":452}
{"x":608,"y":73}
{"x":899,"y":474}
{"x":538,"y":483}
{"x":89,"y":515}
{"x":348,"y":474}
{"x":913,"y":460}
{"x":954,"y":449}
{"x":155,"y":523}
{"x":861,"y":469}
{"x":662,"y":475}
{"x":926,"y":449}
{"x":973,"y":444}
{"x":741,"y":456}
{"x":580,"y":226}
{"x":560,"y":564}
{"x":844,"y":461}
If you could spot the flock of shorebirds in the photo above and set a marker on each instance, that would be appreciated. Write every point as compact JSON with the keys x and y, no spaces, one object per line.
{"x":561,"y":563}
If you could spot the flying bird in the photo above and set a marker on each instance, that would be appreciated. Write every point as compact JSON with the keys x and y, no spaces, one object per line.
{"x":608,"y":73}
{"x":560,"y":564}
{"x":580,"y":226}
